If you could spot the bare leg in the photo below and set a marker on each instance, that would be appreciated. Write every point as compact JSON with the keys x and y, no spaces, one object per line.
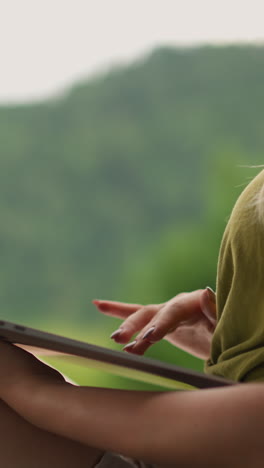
{"x":23,"y":445}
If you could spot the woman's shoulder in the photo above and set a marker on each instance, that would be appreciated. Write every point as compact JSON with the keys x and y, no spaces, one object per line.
{"x":248,"y":211}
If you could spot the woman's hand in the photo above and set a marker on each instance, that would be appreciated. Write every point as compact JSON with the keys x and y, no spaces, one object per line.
{"x":187,"y":321}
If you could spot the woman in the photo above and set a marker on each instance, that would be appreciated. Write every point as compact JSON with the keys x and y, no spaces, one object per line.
{"x":46,"y":421}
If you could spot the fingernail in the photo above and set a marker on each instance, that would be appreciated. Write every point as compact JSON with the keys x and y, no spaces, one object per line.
{"x":104,"y":307}
{"x":130,"y":345}
{"x":97,"y":302}
{"x":211,"y":294}
{"x":116,"y":333}
{"x":148,"y":332}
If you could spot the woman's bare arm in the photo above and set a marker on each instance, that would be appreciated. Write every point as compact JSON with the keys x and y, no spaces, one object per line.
{"x":221,"y":427}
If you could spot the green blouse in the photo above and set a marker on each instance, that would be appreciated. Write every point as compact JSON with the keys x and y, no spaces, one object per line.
{"x":237,"y":351}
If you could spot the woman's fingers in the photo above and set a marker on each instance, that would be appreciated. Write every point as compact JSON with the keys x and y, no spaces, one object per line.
{"x":136,"y":317}
{"x":137,"y":347}
{"x":166,"y":321}
{"x":176,"y":311}
{"x":154,"y":322}
{"x":135,"y":322}
{"x":161,"y":324}
{"x":116,"y":309}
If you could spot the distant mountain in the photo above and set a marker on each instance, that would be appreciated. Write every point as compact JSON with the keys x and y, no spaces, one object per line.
{"x":91,"y":181}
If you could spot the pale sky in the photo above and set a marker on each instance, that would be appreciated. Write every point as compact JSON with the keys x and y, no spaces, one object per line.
{"x":47,"y":45}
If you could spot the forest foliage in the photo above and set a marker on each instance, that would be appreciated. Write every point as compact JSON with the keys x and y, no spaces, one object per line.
{"x":121,"y":186}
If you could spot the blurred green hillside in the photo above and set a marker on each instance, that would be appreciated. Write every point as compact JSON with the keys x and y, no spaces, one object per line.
{"x":121,"y":187}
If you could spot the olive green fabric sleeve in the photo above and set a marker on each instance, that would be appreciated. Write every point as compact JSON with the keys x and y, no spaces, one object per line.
{"x":237,"y":351}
